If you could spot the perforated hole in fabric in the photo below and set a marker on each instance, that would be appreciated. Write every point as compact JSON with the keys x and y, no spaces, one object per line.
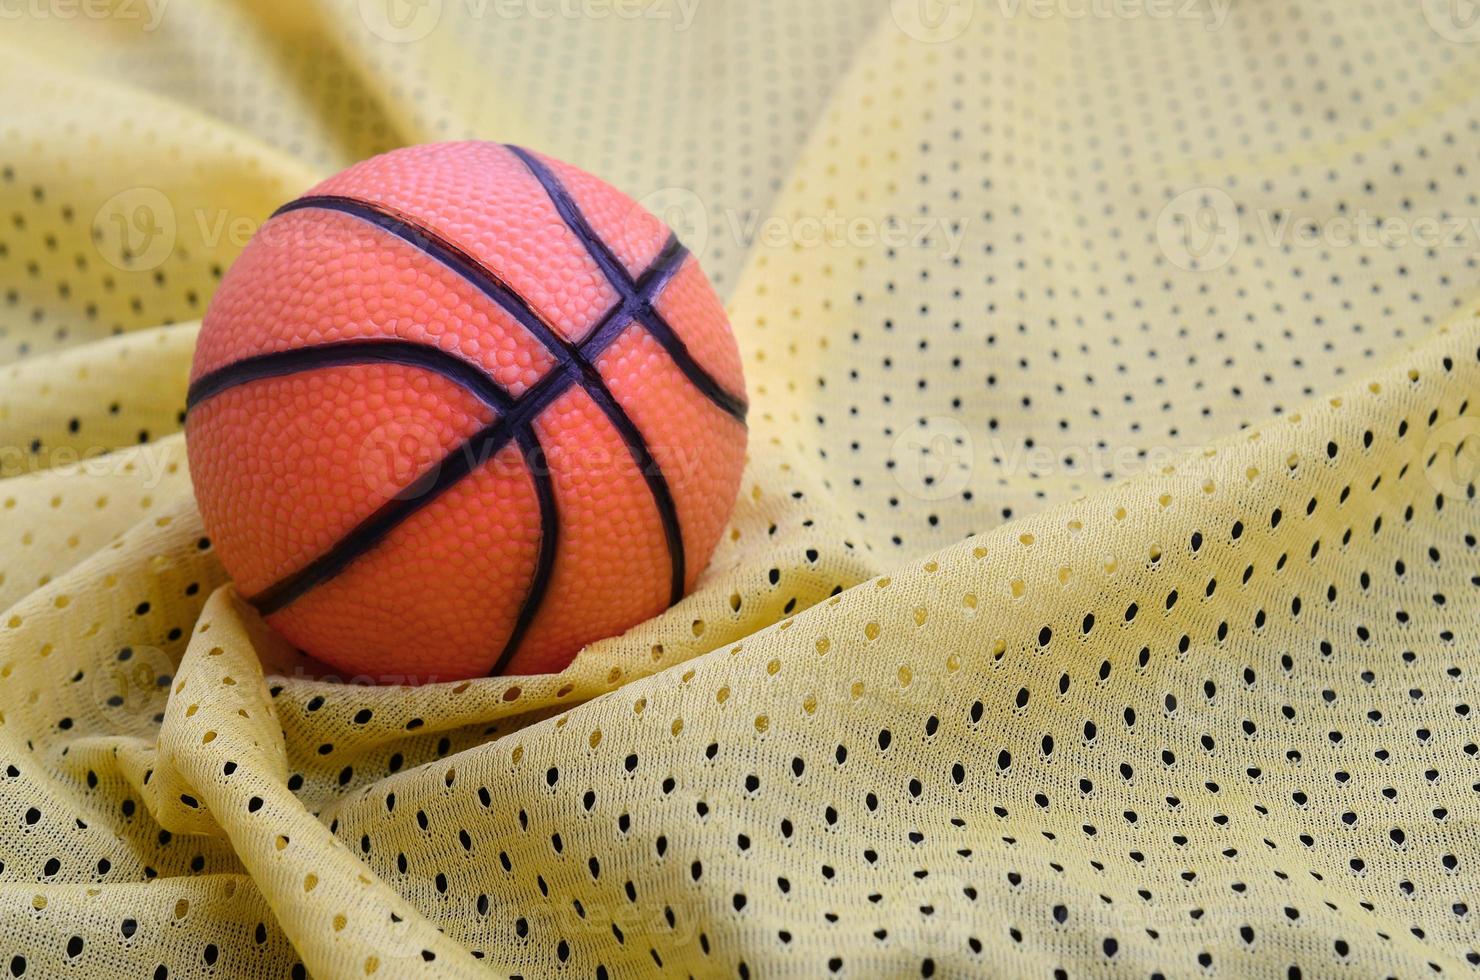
{"x":1101,"y":594}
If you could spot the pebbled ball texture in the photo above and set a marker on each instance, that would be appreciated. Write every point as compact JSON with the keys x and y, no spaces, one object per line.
{"x":460,"y":409}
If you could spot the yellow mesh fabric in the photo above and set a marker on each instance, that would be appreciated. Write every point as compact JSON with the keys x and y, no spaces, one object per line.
{"x":1102,"y":594}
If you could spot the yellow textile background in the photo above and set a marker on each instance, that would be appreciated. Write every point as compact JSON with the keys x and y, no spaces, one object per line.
{"x":1101,"y":599}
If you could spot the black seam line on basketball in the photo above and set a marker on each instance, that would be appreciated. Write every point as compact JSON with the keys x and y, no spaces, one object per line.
{"x":631,"y":300}
{"x":573,"y":363}
{"x":678,"y":352}
{"x":670,"y":259}
{"x":430,"y":243}
{"x":276,"y":364}
{"x":657,"y":483}
{"x":637,"y":301}
{"x":539,"y":582}
{"x":569,"y":372}
{"x":616,"y":274}
{"x":647,"y":465}
{"x":575,"y":220}
{"x":621,"y":316}
{"x":461,"y":461}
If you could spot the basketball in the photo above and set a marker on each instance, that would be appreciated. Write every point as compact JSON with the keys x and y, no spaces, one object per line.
{"x":463,"y":409}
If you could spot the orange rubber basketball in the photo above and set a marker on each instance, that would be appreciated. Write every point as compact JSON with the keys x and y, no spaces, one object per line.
{"x":463,"y":409}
